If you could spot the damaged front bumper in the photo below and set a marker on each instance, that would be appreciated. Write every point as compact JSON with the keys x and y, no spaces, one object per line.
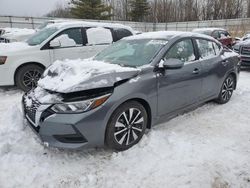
{"x":66,"y":131}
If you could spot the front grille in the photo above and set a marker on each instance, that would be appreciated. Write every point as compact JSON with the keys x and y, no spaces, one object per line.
{"x":245,"y":50}
{"x":30,"y":110}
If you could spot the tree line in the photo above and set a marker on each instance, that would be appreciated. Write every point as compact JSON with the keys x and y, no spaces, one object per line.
{"x":154,"y":10}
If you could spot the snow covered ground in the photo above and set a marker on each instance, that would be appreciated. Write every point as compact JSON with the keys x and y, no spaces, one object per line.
{"x":206,"y":148}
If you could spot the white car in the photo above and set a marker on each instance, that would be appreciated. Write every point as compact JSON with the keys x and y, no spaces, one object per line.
{"x":22,"y":63}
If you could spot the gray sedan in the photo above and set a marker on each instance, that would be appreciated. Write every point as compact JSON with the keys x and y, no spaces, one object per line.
{"x":136,"y":83}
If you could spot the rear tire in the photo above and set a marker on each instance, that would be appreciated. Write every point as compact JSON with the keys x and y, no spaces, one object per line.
{"x":27,"y":76}
{"x":227,"y":89}
{"x":126,"y":126}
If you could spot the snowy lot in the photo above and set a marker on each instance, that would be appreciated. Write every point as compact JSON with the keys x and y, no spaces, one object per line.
{"x":206,"y":148}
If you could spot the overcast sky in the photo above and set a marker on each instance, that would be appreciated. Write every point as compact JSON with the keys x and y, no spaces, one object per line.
{"x":28,"y":7}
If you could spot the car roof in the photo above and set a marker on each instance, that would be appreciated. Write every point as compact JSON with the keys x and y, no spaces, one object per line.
{"x":167,"y":35}
{"x":69,"y":24}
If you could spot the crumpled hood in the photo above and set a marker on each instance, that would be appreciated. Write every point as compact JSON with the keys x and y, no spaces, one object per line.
{"x":78,"y":75}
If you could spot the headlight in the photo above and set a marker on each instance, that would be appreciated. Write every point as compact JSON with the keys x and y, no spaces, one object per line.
{"x":3,"y":59}
{"x":81,"y":106}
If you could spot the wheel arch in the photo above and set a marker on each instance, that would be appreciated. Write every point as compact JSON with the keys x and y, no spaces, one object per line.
{"x":145,"y":104}
{"x":235,"y":78}
{"x":26,"y":64}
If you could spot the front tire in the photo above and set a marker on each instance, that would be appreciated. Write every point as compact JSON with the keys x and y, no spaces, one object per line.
{"x":126,"y":126}
{"x":227,"y":89}
{"x":27,"y":76}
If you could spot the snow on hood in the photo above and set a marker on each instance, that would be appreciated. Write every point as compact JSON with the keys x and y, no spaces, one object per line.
{"x":78,"y":75}
{"x":42,"y":96}
{"x":14,"y":46}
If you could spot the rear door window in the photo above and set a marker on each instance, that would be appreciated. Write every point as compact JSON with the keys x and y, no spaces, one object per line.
{"x":99,"y":36}
{"x":216,"y":34}
{"x":224,"y":34}
{"x":206,"y":48}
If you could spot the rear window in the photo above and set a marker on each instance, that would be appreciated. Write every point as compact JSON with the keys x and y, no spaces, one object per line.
{"x":224,"y":34}
{"x":121,"y":33}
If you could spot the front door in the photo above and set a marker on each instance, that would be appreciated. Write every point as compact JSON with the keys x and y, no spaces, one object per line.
{"x":71,"y":45}
{"x":179,"y":88}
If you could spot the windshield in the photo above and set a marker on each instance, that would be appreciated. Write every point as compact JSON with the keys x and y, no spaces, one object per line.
{"x":43,"y":25}
{"x":131,"y":52}
{"x":41,"y":36}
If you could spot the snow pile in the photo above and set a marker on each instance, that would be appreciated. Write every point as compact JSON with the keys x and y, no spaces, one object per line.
{"x":207,"y":148}
{"x":41,"y":96}
{"x":16,"y":35}
{"x":65,"y":41}
{"x":18,"y":31}
{"x":10,"y":47}
{"x":75,"y":75}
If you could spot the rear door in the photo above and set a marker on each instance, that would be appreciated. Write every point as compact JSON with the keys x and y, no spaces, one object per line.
{"x":181,"y":87}
{"x":210,"y":59}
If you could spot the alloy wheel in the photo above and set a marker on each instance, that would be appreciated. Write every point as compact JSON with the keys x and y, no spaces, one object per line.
{"x":129,"y":127}
{"x":31,"y":77}
{"x":227,"y":89}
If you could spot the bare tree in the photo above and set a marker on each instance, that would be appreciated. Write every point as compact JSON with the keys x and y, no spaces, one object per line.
{"x":248,"y":9}
{"x":177,"y":10}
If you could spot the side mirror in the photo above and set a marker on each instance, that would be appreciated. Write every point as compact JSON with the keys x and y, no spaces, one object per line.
{"x":55,"y":43}
{"x":171,"y":64}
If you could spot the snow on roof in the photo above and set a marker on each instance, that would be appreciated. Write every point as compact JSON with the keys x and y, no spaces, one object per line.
{"x":164,"y":35}
{"x":67,"y":24}
{"x":154,"y":35}
{"x":208,"y":29}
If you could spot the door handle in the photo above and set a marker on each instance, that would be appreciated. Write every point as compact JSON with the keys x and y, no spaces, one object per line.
{"x":196,"y":71}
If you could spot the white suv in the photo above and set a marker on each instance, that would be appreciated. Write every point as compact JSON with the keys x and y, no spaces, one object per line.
{"x":22,"y":64}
